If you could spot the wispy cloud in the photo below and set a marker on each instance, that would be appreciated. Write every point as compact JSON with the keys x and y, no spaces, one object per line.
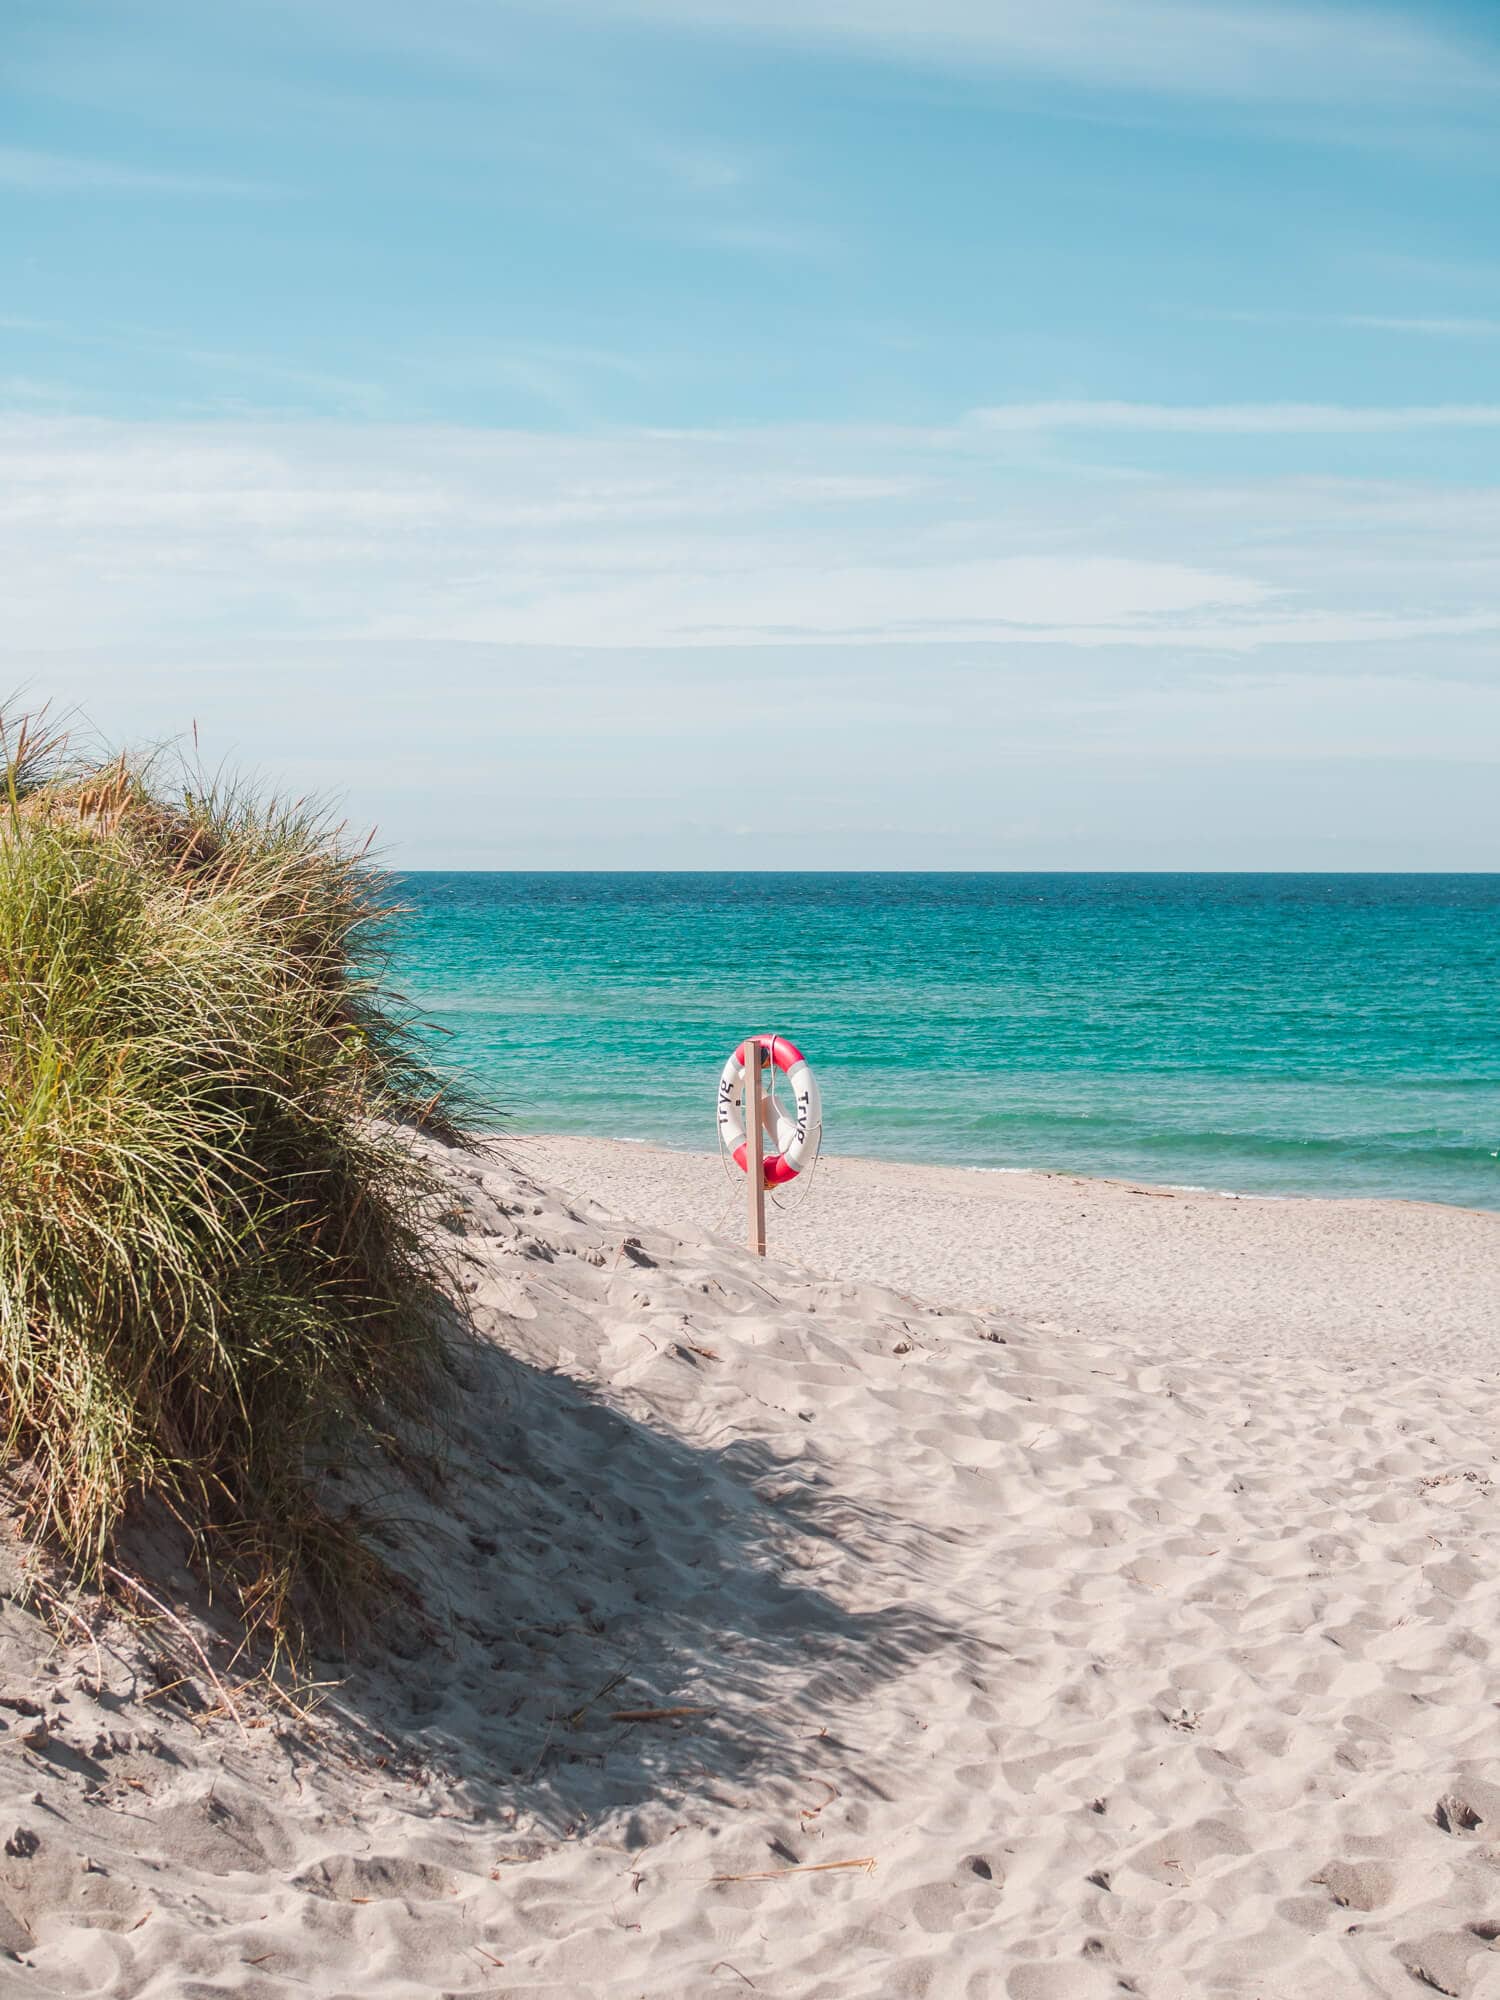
{"x":697,"y":166}
{"x":1436,"y":326}
{"x":551,"y":375}
{"x":1238,"y":419}
{"x":753,"y":239}
{"x":224,"y":372}
{"x":882,"y":538}
{"x":34,"y":172}
{"x":28,"y":393}
{"x":935,"y":616}
{"x":1253,"y":49}
{"x":1442,"y":329}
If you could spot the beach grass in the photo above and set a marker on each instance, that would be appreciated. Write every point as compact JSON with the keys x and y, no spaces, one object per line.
{"x":216,"y":1285}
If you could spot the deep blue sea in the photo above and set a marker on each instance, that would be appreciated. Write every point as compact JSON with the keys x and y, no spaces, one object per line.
{"x":1287,"y":1034}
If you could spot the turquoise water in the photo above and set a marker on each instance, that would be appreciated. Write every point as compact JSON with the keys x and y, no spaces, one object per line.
{"x":1315,"y":1034}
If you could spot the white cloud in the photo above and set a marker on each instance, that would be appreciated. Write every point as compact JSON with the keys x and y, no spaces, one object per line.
{"x":1279,"y":52}
{"x":121,"y":536}
{"x":754,"y":239}
{"x":1452,"y":327}
{"x":28,"y":392}
{"x":787,"y":602}
{"x":61,"y":173}
{"x":1238,"y":419}
{"x":1442,"y":329}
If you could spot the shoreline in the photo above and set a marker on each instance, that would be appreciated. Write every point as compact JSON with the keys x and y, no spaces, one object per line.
{"x":1139,"y":1182}
{"x":1330,"y":1278}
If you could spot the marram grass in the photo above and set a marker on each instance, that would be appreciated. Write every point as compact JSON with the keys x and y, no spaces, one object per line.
{"x":215,"y":1283}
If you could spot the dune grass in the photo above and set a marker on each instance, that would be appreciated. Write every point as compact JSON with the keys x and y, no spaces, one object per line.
{"x":215,"y":1279}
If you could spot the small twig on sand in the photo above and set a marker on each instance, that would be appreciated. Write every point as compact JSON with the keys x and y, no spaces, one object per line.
{"x":810,"y":1813}
{"x":865,"y":1862}
{"x":220,"y":1690}
{"x":657,"y":1714}
{"x":731,"y":1968}
{"x":546,"y":1746}
{"x":45,"y":1590}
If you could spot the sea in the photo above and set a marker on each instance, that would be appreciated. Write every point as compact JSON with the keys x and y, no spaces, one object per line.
{"x":1270,"y":1034}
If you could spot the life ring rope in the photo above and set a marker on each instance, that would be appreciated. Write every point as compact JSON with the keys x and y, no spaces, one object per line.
{"x":798,"y":1131}
{"x":783,"y":1199}
{"x":786,"y":1197}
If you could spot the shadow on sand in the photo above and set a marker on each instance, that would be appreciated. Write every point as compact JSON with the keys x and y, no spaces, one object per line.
{"x":577,"y":1567}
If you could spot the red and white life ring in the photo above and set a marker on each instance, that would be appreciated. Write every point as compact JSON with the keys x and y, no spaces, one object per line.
{"x":798,"y":1135}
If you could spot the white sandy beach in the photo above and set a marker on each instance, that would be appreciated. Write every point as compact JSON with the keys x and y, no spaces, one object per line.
{"x":1128,"y":1625}
{"x":1171,"y":1269}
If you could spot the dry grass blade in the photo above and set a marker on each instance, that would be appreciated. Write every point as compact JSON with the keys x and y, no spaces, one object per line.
{"x":576,"y":1717}
{"x":865,"y":1862}
{"x":134,"y":1583}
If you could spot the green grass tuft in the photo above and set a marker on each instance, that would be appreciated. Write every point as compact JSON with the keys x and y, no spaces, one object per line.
{"x":215,"y":1273}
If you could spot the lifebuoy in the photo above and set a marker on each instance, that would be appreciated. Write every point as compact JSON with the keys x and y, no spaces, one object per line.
{"x":798,"y":1135}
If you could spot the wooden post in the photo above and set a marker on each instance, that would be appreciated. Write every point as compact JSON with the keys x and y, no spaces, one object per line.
{"x":755,"y":1171}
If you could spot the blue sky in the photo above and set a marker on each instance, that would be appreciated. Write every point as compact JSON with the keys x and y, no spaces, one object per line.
{"x":1077,"y":428}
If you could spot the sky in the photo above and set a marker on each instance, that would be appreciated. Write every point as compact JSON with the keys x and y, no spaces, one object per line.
{"x":770,"y":433}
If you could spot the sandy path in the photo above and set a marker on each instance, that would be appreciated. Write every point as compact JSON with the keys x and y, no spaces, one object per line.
{"x":1182,"y":1272}
{"x":1013,"y":1666}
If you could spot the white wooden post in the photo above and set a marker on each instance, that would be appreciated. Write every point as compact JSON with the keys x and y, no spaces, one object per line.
{"x":755,"y":1171}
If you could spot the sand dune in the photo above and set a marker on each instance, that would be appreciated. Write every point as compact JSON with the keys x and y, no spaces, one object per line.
{"x":784,"y":1635}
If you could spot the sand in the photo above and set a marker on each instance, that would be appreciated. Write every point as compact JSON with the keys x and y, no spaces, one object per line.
{"x":773,"y":1632}
{"x":1175,"y":1270}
